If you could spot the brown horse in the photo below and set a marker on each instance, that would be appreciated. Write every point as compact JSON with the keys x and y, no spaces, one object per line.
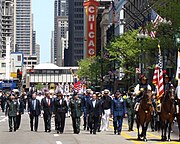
{"x":167,"y":113}
{"x":178,"y":117}
{"x":144,"y":114}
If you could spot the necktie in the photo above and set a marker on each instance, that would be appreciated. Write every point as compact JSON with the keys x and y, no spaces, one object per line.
{"x":48,"y":102}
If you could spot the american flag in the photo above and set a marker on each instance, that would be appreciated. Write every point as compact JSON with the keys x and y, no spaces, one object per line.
{"x":156,"y":19}
{"x":158,"y":76}
{"x":77,"y":86}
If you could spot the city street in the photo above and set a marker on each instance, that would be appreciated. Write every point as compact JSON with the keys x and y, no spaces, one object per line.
{"x":25,"y":136}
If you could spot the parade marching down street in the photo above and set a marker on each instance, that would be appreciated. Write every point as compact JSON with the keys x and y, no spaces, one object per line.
{"x":64,"y":119}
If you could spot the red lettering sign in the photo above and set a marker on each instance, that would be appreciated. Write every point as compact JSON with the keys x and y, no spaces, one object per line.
{"x":91,"y":13}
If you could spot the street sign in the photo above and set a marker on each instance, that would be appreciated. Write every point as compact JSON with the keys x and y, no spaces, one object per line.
{"x":138,"y":70}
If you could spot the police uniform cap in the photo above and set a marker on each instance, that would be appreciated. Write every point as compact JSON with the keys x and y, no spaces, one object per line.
{"x":106,"y":91}
{"x":143,"y":77}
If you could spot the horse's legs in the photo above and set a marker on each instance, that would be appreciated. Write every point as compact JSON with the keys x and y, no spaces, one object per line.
{"x":138,"y":131}
{"x":145,"y":127}
{"x":165,"y":129}
{"x":162,"y":131}
{"x":169,"y":131}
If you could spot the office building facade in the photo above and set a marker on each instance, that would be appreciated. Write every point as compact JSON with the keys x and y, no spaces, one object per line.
{"x":76,"y":35}
{"x":23,"y":27}
{"x":60,"y":9}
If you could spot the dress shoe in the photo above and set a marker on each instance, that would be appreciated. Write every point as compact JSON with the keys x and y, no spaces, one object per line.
{"x":132,"y":130}
{"x":99,"y":130}
{"x":94,"y":132}
{"x":90,"y":131}
{"x":114,"y":131}
{"x":119,"y":133}
{"x":14,"y":130}
{"x":57,"y":132}
{"x":45,"y":131}
{"x":49,"y":130}
{"x":129,"y":130}
{"x":10,"y":130}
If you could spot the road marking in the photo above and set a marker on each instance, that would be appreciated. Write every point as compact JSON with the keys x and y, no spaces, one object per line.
{"x":56,"y":135}
{"x":3,"y":116}
{"x":58,"y":142}
{"x":4,"y":119}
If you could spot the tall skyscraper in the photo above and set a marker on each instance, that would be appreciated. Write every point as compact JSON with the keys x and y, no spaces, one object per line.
{"x":34,"y":43}
{"x":0,"y":28}
{"x":23,"y":26}
{"x":7,"y":25}
{"x":76,"y":35}
{"x":60,"y":9}
{"x":62,"y":29}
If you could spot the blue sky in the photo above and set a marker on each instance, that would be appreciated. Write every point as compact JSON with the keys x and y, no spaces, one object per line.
{"x":43,"y":11}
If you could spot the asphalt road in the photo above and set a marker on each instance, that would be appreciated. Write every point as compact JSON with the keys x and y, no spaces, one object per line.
{"x":25,"y":136}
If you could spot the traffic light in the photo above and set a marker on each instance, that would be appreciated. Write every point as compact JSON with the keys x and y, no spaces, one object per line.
{"x":19,"y":74}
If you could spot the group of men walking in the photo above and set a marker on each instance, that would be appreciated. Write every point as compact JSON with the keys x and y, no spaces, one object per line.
{"x":96,"y":109}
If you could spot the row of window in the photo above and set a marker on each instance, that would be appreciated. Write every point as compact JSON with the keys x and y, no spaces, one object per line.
{"x":50,"y":71}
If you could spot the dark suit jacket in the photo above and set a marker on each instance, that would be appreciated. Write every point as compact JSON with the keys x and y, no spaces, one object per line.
{"x":37,"y":109}
{"x":94,"y":111}
{"x":21,"y":106}
{"x":48,"y":110}
{"x":60,"y":108}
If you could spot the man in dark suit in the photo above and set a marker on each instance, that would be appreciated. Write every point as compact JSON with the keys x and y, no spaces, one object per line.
{"x":94,"y":112}
{"x":21,"y":110}
{"x":12,"y":110}
{"x":34,"y":110}
{"x":60,"y":110}
{"x":47,"y":110}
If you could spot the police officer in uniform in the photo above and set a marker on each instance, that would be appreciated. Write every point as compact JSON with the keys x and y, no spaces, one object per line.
{"x":130,"y":110}
{"x":167,"y":83}
{"x":118,"y":111}
{"x":76,"y":112}
{"x":139,"y":89}
{"x":12,"y":110}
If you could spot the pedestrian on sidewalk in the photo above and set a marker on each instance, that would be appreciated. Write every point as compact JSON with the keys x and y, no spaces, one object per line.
{"x":60,"y":110}
{"x":12,"y":110}
{"x":34,"y":111}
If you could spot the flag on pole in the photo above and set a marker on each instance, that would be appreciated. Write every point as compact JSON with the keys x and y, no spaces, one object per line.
{"x":158,"y":76}
{"x":178,"y":75}
{"x":156,"y":19}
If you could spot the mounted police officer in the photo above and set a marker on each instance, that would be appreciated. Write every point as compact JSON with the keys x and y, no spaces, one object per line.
{"x":167,"y":83}
{"x":139,"y":89}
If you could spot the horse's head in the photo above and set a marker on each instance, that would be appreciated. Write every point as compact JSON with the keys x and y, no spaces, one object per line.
{"x":170,"y":94}
{"x":146,"y":98}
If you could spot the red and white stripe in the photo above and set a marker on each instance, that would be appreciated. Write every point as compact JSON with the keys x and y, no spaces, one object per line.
{"x":156,"y":22}
{"x":158,"y":81}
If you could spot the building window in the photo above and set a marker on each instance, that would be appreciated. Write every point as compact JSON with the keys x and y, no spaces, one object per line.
{"x":19,"y":58}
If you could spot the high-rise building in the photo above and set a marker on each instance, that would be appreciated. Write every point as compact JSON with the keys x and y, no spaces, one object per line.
{"x":52,"y":47}
{"x":23,"y":27}
{"x":34,"y":43}
{"x":76,"y":35}
{"x":60,"y":9}
{"x":61,"y":37}
{"x":7,"y":25}
{"x":37,"y":51}
{"x":1,"y":28}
